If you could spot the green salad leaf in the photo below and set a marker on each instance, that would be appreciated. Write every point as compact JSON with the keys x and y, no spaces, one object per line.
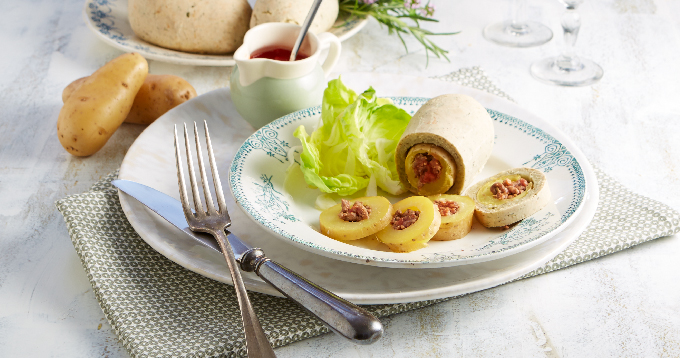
{"x":355,"y":140}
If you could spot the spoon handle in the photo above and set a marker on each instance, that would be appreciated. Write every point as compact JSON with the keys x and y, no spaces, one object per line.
{"x":305,"y":27}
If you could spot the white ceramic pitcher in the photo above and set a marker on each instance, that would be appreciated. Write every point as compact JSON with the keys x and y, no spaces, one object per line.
{"x":264,"y":89}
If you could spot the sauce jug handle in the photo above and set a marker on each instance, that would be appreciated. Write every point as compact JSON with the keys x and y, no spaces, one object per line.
{"x":327,"y":39}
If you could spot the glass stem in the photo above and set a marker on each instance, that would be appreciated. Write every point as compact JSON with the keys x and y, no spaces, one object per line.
{"x":571,"y":24}
{"x":519,"y":20}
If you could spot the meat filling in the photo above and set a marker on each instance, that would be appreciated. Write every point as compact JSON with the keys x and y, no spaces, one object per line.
{"x":401,"y":221}
{"x":508,"y":189}
{"x":426,"y":168}
{"x":447,"y":207}
{"x":354,"y":213}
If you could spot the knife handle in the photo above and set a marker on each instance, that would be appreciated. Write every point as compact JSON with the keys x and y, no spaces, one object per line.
{"x":340,"y":315}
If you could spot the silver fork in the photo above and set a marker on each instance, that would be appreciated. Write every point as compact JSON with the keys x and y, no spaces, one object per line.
{"x":215,"y":222}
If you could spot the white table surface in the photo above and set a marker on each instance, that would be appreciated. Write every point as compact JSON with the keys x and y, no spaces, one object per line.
{"x":626,"y":304}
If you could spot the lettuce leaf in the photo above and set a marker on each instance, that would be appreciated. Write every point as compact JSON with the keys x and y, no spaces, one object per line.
{"x":355,"y":140}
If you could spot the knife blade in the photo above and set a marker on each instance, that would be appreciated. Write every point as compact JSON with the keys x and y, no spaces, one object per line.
{"x":340,"y":315}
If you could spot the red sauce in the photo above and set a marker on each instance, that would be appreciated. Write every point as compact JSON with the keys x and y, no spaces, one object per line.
{"x":277,"y":53}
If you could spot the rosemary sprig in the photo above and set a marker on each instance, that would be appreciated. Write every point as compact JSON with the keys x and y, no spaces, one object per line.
{"x":392,"y":14}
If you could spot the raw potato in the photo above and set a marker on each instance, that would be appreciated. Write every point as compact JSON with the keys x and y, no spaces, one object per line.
{"x":295,"y":12}
{"x":206,"y":26}
{"x":338,"y":229}
{"x":457,"y":124}
{"x":511,"y":210}
{"x":158,"y":94}
{"x":68,"y":91}
{"x":419,"y":233}
{"x":99,"y":106}
{"x":455,"y":226}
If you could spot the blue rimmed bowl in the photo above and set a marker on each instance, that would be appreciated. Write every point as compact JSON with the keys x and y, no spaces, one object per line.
{"x":283,"y":204}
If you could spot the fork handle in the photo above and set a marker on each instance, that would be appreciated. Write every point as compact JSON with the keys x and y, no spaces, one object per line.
{"x":340,"y":315}
{"x":257,"y":344}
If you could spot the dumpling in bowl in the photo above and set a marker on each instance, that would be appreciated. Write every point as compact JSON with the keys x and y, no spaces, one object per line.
{"x":295,"y":12}
{"x":205,"y":26}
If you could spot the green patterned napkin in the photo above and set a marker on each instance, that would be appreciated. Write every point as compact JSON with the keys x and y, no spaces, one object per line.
{"x":160,"y":309}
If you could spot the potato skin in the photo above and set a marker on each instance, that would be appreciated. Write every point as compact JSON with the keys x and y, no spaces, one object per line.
{"x":158,"y":94}
{"x":100,"y":105}
{"x":68,"y":91}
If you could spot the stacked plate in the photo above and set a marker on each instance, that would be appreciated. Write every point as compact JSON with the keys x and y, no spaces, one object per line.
{"x":275,"y":211}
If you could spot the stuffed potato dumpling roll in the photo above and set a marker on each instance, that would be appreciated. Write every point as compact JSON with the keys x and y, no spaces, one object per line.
{"x":446,"y":143}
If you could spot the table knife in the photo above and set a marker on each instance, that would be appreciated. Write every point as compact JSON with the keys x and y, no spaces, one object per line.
{"x":340,"y":315}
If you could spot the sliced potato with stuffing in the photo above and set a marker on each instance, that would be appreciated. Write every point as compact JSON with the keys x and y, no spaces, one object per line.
{"x":457,"y":212}
{"x":356,"y":219}
{"x":414,"y":222}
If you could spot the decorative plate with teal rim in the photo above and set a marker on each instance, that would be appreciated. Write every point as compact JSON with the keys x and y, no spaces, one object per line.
{"x":279,"y":200}
{"x":108,"y":19}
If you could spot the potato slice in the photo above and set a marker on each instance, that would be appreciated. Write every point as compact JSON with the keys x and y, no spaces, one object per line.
{"x":336,"y":228}
{"x":419,"y":233}
{"x":445,"y":177}
{"x":455,"y":226}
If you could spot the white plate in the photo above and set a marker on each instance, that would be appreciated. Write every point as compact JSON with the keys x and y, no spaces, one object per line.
{"x":282,"y":203}
{"x":150,"y":161}
{"x":108,"y":19}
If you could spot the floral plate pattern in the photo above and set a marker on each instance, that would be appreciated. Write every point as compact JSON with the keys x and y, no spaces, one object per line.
{"x":108,"y":19}
{"x":284,"y":205}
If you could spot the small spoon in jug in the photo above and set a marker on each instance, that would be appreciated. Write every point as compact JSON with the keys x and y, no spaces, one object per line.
{"x":305,"y":27}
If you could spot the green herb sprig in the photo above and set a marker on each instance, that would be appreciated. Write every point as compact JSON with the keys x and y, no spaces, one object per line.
{"x":393,"y":13}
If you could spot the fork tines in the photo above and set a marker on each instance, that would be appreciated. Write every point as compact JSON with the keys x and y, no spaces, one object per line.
{"x":200,"y":212}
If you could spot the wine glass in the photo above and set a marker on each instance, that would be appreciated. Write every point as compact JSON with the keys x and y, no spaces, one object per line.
{"x":518,"y":32}
{"x":568,"y":69}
